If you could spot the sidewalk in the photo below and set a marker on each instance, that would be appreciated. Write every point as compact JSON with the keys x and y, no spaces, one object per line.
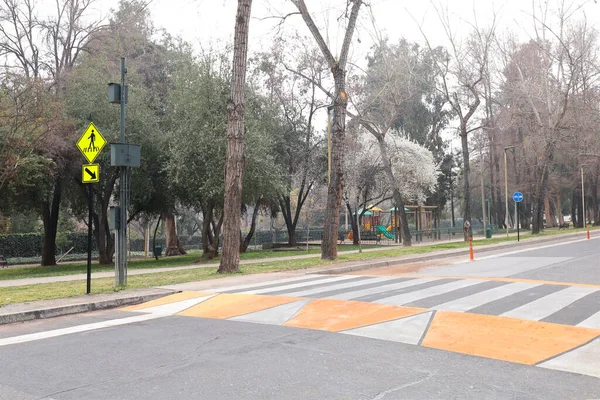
{"x":51,"y":308}
{"x":110,"y":274}
{"x":337,"y":267}
{"x":21,"y":312}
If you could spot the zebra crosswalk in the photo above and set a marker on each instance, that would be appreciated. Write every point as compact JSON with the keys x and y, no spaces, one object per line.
{"x":561,"y":303}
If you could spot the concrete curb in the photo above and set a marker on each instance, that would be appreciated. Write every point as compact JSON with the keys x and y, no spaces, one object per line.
{"x":438,"y":255}
{"x":70,"y":309}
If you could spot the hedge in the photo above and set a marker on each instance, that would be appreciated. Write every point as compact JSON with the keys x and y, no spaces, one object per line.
{"x":30,"y":244}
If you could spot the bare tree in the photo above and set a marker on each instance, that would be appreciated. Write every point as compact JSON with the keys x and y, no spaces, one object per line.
{"x":291,"y":82}
{"x":462,"y":75}
{"x":234,"y":164}
{"x":340,"y":104}
{"x":545,"y":79}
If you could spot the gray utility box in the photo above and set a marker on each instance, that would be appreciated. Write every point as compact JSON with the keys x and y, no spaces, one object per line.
{"x":114,"y":219}
{"x":114,"y":93}
{"x":125,"y":155}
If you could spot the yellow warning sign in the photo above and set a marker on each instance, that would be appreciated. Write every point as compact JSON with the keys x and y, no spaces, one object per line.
{"x":90,"y":173}
{"x":91,"y":143}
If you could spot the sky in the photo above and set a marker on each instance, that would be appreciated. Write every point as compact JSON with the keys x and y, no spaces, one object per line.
{"x":210,"y":22}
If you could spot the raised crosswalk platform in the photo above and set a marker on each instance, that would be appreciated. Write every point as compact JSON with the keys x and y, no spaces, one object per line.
{"x":549,"y":324}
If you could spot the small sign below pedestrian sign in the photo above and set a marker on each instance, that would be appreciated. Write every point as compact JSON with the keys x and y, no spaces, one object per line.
{"x":90,"y":173}
{"x":518,"y":197}
{"x":91,"y":143}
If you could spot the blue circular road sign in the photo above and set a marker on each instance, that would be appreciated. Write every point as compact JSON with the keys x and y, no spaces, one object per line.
{"x":518,"y":197}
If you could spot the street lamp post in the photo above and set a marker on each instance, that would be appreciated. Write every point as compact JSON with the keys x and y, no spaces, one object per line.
{"x":506,"y":187}
{"x":482,"y":192}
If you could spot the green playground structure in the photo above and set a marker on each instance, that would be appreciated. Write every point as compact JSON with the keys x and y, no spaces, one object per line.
{"x":387,"y":234}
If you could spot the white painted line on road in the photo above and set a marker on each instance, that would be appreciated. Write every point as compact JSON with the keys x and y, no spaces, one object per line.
{"x":487,"y":296}
{"x":409,"y":297}
{"x":583,"y":360}
{"x":299,"y":285}
{"x":78,"y":329}
{"x":263,"y":283}
{"x":591,"y":322}
{"x":533,"y":248}
{"x":406,"y":330}
{"x":174,"y":308}
{"x":150,"y":313}
{"x":383,"y":288}
{"x":548,"y":305}
{"x":344,"y":285}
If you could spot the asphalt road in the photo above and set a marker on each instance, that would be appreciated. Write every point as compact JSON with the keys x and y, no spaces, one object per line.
{"x":192,"y":349}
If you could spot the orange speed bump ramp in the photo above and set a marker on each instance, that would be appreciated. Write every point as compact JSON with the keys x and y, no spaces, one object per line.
{"x":501,"y":338}
{"x":340,"y":315}
{"x":227,"y":305}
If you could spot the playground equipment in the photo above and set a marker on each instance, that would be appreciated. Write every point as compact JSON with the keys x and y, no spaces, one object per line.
{"x":373,"y":221}
{"x":385,"y":232}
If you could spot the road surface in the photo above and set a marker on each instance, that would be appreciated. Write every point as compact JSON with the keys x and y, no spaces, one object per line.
{"x":517,"y":325}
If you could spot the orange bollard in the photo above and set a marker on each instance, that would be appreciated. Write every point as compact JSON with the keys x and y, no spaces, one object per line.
{"x":588,"y":233}
{"x":471,"y":255}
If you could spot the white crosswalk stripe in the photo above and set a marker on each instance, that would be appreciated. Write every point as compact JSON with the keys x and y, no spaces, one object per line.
{"x":385,"y":287}
{"x":346,"y":285}
{"x":263,"y":283}
{"x":428,"y":292}
{"x":479,"y":299}
{"x":591,"y":322}
{"x":548,"y":305}
{"x":412,"y":290}
{"x":298,"y":285}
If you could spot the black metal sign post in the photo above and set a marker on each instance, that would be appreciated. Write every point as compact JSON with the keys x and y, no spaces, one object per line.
{"x":89,"y":254}
{"x":518,"y":222}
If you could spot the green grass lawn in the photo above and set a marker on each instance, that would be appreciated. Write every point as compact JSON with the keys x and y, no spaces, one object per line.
{"x":163,"y":262}
{"x":57,"y":290}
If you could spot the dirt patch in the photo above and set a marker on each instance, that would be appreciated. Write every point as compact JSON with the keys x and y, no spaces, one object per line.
{"x":410,"y":268}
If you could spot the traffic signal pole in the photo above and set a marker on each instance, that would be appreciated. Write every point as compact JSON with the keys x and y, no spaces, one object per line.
{"x":124,"y":178}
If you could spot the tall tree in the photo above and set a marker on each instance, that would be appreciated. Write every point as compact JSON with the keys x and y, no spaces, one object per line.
{"x":462,"y":75}
{"x":337,"y":65}
{"x":234,"y":164}
{"x":291,"y":71}
{"x":397,"y":97}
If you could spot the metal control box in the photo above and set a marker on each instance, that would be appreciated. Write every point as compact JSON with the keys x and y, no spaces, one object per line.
{"x":114,"y":218}
{"x":125,"y":155}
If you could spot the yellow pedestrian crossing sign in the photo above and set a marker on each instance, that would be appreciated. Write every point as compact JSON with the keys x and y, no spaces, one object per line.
{"x":90,"y":173}
{"x":91,"y":143}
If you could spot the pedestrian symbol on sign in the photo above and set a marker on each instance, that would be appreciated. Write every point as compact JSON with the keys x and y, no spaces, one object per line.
{"x":92,"y":138}
{"x":91,"y":143}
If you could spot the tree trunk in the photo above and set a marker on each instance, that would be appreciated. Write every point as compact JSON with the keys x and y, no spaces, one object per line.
{"x":574,"y":209}
{"x":500,"y":217}
{"x":550,"y":216}
{"x":594,"y":195}
{"x":580,"y":211}
{"x":248,"y":238}
{"x":353,"y":224}
{"x":174,"y":246}
{"x":336,"y":181}
{"x":337,"y":66}
{"x":50,"y":212}
{"x":561,"y":218}
{"x":290,"y":224}
{"x":466,"y":180}
{"x":210,"y":234}
{"x":104,"y":240}
{"x":235,"y":161}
